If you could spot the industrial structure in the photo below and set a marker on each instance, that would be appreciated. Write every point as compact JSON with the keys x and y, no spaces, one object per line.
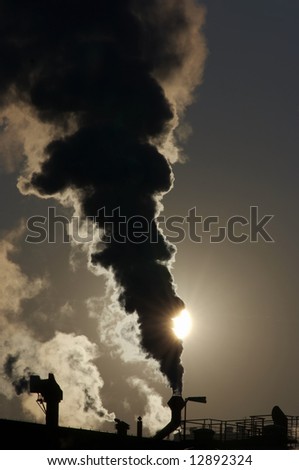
{"x":49,"y":397}
{"x":275,"y":431}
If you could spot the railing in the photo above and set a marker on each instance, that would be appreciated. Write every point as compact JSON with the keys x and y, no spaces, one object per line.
{"x":254,"y":426}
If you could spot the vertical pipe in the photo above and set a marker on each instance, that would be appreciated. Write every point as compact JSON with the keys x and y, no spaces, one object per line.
{"x":139,"y":426}
{"x":52,"y":413}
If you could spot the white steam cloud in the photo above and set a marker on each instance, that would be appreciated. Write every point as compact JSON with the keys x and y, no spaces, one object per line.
{"x":70,"y":357}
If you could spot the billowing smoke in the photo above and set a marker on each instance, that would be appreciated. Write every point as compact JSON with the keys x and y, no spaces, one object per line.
{"x":22,"y":352}
{"x":83,"y":405}
{"x":113,"y":78}
{"x":156,"y":415}
{"x":21,"y":384}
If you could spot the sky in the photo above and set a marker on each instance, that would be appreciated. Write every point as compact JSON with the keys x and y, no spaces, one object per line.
{"x":229,"y":128}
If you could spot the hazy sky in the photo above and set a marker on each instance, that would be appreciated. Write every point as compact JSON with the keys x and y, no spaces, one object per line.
{"x":243,"y":349}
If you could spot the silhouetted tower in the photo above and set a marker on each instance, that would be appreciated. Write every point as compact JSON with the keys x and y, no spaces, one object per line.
{"x":50,"y":393}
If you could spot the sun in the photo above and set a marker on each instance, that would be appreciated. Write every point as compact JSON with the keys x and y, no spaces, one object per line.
{"x":182,"y":324}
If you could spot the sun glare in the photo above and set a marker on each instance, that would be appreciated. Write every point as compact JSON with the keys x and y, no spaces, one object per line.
{"x":182,"y":324}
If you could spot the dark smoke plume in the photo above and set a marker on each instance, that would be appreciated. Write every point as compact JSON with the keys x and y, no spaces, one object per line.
{"x":20,"y":383}
{"x":110,"y":67}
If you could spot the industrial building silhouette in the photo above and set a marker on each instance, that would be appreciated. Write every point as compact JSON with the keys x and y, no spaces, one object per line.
{"x":275,"y":431}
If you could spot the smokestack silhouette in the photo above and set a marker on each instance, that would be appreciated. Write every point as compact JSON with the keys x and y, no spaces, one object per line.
{"x":176,"y":404}
{"x":51,"y":394}
{"x":105,"y":66}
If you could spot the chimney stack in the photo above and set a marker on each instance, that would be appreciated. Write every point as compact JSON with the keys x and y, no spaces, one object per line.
{"x":139,"y":426}
{"x":50,"y":393}
{"x":176,"y":404}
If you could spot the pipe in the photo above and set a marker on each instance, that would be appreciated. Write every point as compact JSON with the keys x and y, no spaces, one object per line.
{"x":139,"y":426}
{"x":176,"y":404}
